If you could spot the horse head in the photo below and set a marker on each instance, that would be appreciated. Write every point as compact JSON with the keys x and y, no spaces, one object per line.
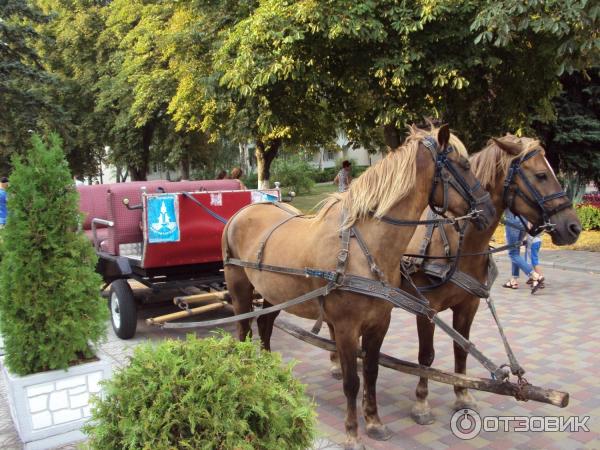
{"x":532,"y":191}
{"x":455,"y":188}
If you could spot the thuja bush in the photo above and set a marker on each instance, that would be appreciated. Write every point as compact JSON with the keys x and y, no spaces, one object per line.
{"x":50,"y":304}
{"x":213,"y":393}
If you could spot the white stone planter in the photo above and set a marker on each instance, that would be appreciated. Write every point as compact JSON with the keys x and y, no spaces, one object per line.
{"x":49,"y":408}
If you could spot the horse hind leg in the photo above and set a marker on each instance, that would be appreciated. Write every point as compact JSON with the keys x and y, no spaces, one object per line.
{"x":241,"y":290}
{"x":462,"y":319}
{"x":371,"y":345}
{"x":421,"y":411}
{"x":265,"y":326}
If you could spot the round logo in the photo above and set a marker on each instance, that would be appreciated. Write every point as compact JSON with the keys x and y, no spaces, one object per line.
{"x":465,"y":424}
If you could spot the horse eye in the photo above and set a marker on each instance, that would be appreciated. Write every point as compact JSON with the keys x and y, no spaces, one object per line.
{"x":541,"y":176}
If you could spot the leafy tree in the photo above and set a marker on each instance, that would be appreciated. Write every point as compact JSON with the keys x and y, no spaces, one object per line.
{"x":68,"y":51}
{"x":49,"y":299}
{"x":375,"y":64}
{"x":23,"y":80}
{"x":572,"y":140}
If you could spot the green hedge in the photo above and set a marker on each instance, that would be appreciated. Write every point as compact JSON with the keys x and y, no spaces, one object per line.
{"x":589,"y":216}
{"x":203,"y":394}
{"x":294,"y":174}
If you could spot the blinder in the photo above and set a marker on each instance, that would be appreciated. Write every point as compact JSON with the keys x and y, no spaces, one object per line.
{"x":536,"y":201}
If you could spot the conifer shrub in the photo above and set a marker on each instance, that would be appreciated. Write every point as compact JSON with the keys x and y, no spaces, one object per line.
{"x":50,"y":304}
{"x":213,"y":393}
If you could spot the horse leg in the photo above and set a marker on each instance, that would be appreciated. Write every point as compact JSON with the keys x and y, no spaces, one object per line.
{"x":462,"y":319}
{"x":335,"y":369}
{"x":371,"y":344}
{"x":265,"y":327}
{"x":346,"y":337}
{"x":421,"y":411}
{"x":241,"y":290}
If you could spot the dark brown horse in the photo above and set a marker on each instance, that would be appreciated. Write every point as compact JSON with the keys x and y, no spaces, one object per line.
{"x":491,"y":166}
{"x":392,"y":189}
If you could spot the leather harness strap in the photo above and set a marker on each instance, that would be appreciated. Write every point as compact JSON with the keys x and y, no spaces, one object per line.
{"x":261,"y":245}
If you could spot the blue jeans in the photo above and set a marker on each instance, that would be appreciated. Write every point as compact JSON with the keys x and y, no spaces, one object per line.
{"x":534,"y":253}
{"x":518,"y":262}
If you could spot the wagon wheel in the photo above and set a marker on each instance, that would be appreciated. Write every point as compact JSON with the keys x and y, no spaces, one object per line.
{"x":123,"y":309}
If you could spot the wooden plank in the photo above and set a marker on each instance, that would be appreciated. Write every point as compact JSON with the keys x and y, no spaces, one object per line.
{"x":529,"y":392}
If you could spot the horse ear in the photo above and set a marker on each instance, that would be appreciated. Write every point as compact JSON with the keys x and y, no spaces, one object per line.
{"x":512,"y":148}
{"x":443,"y":136}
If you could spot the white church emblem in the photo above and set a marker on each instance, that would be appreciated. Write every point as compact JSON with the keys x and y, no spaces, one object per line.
{"x":164,"y":222}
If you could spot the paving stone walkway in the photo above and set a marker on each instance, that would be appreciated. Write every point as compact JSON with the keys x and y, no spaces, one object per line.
{"x":555,"y":335}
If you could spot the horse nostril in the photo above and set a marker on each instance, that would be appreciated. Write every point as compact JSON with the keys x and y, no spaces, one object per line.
{"x":574,"y":229}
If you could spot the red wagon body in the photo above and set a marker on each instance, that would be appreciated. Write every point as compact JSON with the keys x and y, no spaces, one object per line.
{"x":162,"y":234}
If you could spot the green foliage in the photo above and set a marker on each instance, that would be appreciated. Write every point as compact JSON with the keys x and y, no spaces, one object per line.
{"x":589,"y":216}
{"x":294,"y":173}
{"x":50,"y":305}
{"x":160,"y":81}
{"x":572,"y":138}
{"x":203,"y":394}
{"x":251,"y":181}
{"x":325,"y":175}
{"x":24,"y":83}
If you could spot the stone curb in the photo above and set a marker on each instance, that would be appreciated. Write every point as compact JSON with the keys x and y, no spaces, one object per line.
{"x":563,"y":266}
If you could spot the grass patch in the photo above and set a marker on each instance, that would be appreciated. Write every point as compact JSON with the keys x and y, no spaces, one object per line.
{"x":588,"y":241}
{"x":306,"y":202}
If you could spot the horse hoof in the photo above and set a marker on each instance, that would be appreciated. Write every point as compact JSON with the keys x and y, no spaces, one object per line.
{"x":353,"y":444}
{"x":336,"y":372}
{"x":465,"y":403}
{"x":378,"y":432}
{"x":423,"y":417}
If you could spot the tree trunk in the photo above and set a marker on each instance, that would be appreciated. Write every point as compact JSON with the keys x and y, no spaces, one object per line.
{"x":392,"y":136}
{"x":139,"y":172}
{"x":185,"y":165}
{"x":265,"y":154}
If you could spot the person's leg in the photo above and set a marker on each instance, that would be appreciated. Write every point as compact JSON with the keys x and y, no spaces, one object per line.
{"x":535,"y":257}
{"x":513,"y":236}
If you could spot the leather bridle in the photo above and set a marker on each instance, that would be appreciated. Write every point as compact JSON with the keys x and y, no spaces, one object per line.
{"x":536,"y":200}
{"x":447,"y":175}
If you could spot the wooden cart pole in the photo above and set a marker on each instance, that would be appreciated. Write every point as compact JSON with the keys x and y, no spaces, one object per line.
{"x":187,"y":313}
{"x":206,"y":297}
{"x":529,"y":392}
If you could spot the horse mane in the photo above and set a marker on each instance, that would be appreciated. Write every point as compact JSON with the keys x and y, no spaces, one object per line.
{"x":390,"y":180}
{"x":492,"y":160}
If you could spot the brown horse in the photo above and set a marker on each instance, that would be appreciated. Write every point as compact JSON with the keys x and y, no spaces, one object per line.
{"x":491,"y":166}
{"x":389,"y":189}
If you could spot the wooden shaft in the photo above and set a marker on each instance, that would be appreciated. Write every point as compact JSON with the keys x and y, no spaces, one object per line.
{"x":199,"y":298}
{"x":181,"y":314}
{"x":529,"y":392}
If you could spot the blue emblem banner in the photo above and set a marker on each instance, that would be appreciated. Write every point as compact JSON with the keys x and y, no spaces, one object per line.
{"x":163,"y":218}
